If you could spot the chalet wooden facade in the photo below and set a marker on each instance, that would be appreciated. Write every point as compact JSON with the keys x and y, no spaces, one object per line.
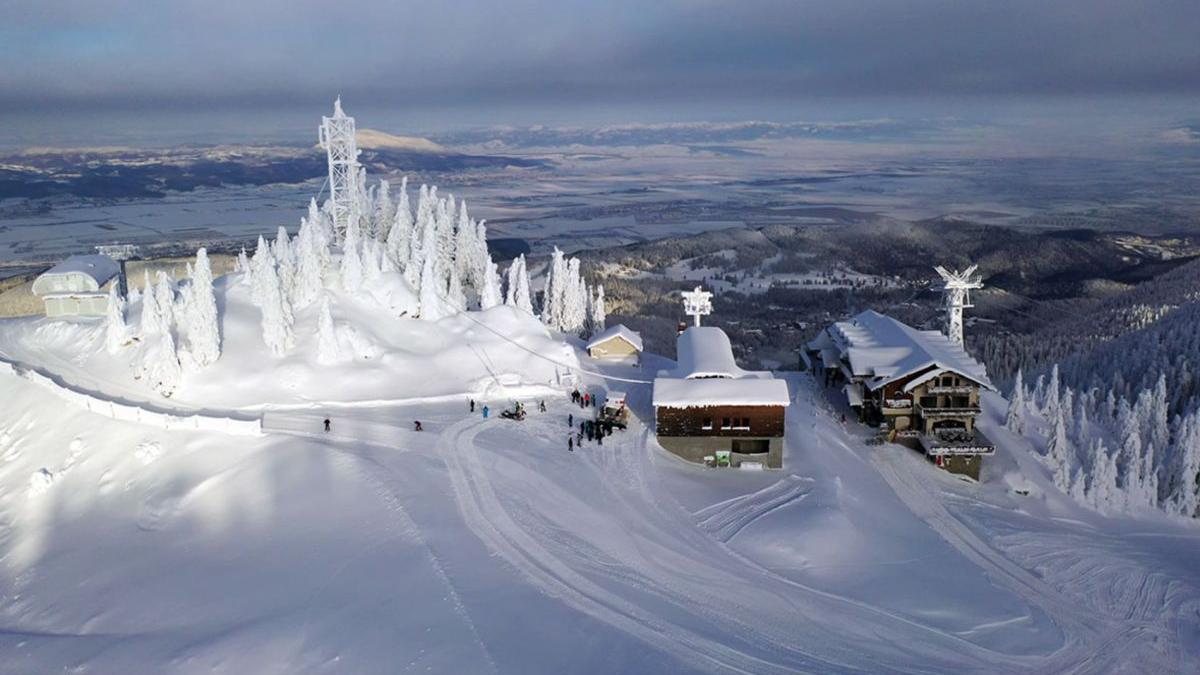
{"x":708,"y":410}
{"x":920,"y":388}
{"x":616,"y":343}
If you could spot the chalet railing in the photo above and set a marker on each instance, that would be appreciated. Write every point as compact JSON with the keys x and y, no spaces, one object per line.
{"x":948,"y":410}
{"x":940,"y":389}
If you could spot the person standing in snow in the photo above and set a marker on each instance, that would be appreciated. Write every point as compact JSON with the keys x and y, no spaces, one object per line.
{"x":485,"y":412}
{"x":570,"y":419}
{"x":570,"y":443}
{"x":417,"y":425}
{"x":542,"y":406}
{"x":472,"y":405}
{"x":326,"y":424}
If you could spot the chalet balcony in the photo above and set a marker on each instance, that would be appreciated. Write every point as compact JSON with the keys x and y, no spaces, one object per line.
{"x":948,"y":411}
{"x":959,"y":390}
{"x":899,"y":406}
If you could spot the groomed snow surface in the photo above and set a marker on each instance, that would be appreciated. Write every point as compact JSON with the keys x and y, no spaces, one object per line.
{"x":483,"y":545}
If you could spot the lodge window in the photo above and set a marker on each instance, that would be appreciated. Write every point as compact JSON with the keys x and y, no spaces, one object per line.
{"x":929,"y":402}
{"x":706,"y":424}
{"x":725,"y":423}
{"x":948,"y":381}
{"x":744,"y":423}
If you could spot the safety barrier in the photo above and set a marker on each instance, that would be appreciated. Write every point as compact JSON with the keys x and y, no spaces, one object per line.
{"x":132,"y":412}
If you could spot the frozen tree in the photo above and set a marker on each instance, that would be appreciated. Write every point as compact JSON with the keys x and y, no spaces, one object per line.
{"x":204,"y":335}
{"x":1102,"y":492}
{"x":159,"y":366}
{"x":417,"y":250}
{"x":328,"y":350}
{"x":522,"y":296}
{"x":381,"y":220}
{"x":598,"y":314}
{"x":164,"y":297}
{"x":1014,"y":420}
{"x":489,"y":295}
{"x":1185,"y":492}
{"x":466,"y":258}
{"x":312,"y":258}
{"x":1052,"y":400}
{"x":429,"y":294}
{"x":352,"y":272}
{"x":454,"y":291}
{"x":242,"y":264}
{"x":262,"y":258}
{"x":114,"y":322}
{"x":276,"y":320}
{"x":152,"y":322}
{"x":482,"y":256}
{"x":1059,"y":452}
{"x":445,"y":214}
{"x":285,"y":264}
{"x":371,"y":266}
{"x":399,"y":238}
{"x":554,"y":290}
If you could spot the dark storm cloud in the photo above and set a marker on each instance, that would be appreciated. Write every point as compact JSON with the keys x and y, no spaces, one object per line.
{"x":220,"y":52}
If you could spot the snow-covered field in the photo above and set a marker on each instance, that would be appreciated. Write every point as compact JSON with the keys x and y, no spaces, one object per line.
{"x":483,"y":545}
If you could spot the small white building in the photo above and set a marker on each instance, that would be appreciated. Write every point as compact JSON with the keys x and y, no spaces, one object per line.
{"x":616,"y":343}
{"x":77,"y":286}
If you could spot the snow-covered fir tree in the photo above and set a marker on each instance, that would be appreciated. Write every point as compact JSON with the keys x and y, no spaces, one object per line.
{"x":597,"y":312}
{"x":164,"y":297}
{"x":115,"y":331}
{"x":203,"y":329}
{"x":276,"y":317}
{"x":328,"y":350}
{"x":399,"y":238}
{"x":430,"y":291}
{"x":489,"y":295}
{"x":1014,"y":419}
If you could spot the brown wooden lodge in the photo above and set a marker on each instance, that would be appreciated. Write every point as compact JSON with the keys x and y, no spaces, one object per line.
{"x":708,"y":410}
{"x":919,"y":387}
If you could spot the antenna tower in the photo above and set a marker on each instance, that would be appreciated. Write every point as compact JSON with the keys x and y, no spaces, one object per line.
{"x":336,"y":135}
{"x":957,"y":295}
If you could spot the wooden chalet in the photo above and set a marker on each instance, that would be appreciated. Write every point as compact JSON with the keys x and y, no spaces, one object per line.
{"x":918,"y":385}
{"x":708,"y":410}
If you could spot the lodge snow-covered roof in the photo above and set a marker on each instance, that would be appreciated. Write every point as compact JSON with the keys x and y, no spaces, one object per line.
{"x":671,"y":392}
{"x":100,"y":268}
{"x":706,"y":374}
{"x":881,"y":349}
{"x":617,"y":331}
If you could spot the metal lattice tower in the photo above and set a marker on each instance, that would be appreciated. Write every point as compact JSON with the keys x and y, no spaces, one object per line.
{"x":336,"y":135}
{"x":957,"y":294}
{"x":697,"y":303}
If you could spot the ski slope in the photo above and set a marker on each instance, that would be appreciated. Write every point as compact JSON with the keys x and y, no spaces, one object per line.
{"x":483,"y":545}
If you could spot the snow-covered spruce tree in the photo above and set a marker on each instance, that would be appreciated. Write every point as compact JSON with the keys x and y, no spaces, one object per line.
{"x":465,"y":252}
{"x":1185,"y":489}
{"x":371,"y":266}
{"x":312,"y":256}
{"x":242,"y":265}
{"x":399,"y":238}
{"x":204,"y":334}
{"x":159,"y":366}
{"x":523,"y":296}
{"x":285,"y":264}
{"x":262,"y":258}
{"x":417,"y":251}
{"x":430,"y":285}
{"x":482,"y":256}
{"x":1014,"y":419}
{"x":554,"y":291}
{"x":114,"y":321}
{"x":489,"y":295}
{"x":445,"y":237}
{"x":164,"y":297}
{"x":1059,"y":453}
{"x":1053,"y":393}
{"x":454,"y":291}
{"x":328,"y":350}
{"x":597,"y":312}
{"x":276,"y":319}
{"x":351,"y":271}
{"x":151,"y":319}
{"x":385,"y":212}
{"x":1103,"y":494}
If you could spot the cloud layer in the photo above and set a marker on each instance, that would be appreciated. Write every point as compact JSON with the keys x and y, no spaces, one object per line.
{"x":264,"y":52}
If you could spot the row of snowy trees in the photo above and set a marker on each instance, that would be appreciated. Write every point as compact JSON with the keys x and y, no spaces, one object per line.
{"x":568,"y":304}
{"x":178,"y":328}
{"x":1109,"y":452}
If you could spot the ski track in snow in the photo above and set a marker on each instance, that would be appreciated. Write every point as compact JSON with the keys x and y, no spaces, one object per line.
{"x":726,"y":519}
{"x":771,"y":623}
{"x":1092,"y":641}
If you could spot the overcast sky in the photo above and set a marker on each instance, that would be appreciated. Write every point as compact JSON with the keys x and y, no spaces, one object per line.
{"x":223,"y":53}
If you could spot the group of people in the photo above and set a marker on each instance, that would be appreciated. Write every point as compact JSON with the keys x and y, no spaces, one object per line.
{"x":583,"y":399}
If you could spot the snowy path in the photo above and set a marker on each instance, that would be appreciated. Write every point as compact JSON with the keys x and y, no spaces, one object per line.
{"x":1095,"y":642}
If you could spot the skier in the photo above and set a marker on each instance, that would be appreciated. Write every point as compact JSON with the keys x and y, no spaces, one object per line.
{"x":587,"y":399}
{"x":570,"y":420}
{"x":570,"y":443}
{"x":417,"y":425}
{"x":326,"y":424}
{"x":485,"y":412}
{"x":542,"y":406}
{"x":590,"y":433}
{"x":472,"y":405}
